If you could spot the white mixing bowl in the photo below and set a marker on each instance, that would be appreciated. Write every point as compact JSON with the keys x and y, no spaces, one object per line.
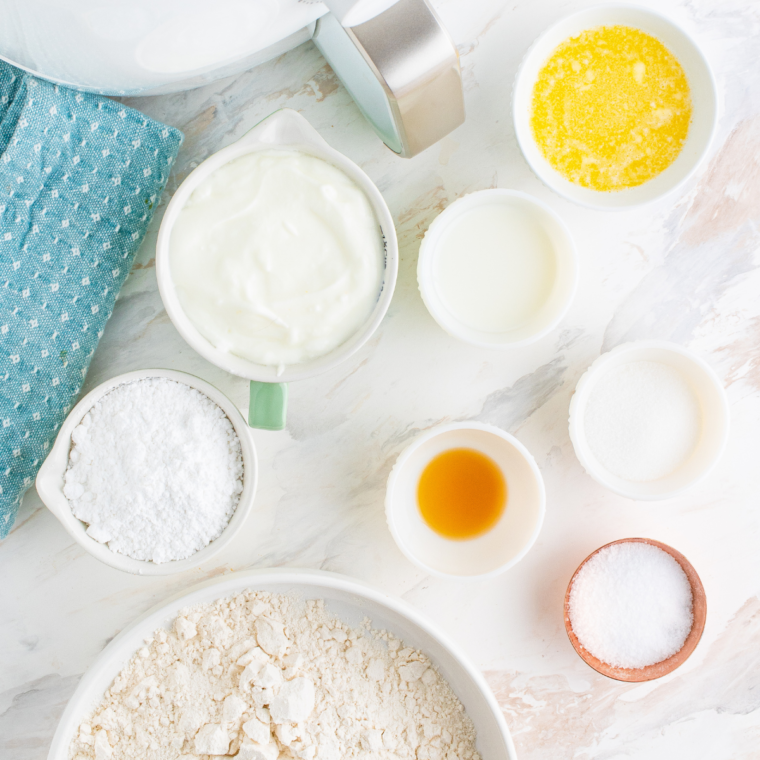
{"x":347,"y":599}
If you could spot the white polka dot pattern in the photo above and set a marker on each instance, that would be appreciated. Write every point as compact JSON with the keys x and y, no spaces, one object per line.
{"x":80,"y":176}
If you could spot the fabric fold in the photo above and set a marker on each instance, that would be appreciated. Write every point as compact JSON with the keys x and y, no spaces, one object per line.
{"x":80,"y":178}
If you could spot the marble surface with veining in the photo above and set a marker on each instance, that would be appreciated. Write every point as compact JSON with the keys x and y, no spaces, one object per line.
{"x":686,"y":269}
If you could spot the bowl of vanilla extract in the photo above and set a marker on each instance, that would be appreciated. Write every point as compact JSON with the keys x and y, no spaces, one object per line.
{"x":465,"y":500}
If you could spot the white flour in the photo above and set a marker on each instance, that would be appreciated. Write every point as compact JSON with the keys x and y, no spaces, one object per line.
{"x":262,"y":677}
{"x":155,"y":470}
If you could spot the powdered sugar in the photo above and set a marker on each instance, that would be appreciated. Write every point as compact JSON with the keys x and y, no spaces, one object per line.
{"x":155,"y":470}
{"x":323,"y":691}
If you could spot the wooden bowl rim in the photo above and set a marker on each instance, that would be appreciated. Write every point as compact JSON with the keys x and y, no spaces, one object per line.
{"x":658,"y":669}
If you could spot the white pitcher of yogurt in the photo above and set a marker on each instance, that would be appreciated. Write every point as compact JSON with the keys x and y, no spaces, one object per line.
{"x":276,"y":260}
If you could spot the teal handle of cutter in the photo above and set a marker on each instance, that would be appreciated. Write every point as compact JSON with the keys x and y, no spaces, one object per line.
{"x":268,"y":406}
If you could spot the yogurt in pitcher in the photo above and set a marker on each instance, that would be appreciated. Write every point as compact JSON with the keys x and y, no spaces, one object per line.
{"x":277,"y":257}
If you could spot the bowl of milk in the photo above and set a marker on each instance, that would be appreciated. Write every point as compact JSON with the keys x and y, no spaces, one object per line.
{"x":276,"y":260}
{"x":497,"y":269}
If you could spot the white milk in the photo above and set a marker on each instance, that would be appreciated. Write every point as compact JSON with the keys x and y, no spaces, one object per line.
{"x":495,"y":267}
{"x":277,"y":257}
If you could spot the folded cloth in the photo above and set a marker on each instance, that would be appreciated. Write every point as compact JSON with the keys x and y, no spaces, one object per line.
{"x":80,"y":177}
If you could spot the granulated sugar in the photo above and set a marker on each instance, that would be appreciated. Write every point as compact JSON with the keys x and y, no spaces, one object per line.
{"x":631,"y":605}
{"x":155,"y":470}
{"x":262,"y":677}
{"x":642,"y":420}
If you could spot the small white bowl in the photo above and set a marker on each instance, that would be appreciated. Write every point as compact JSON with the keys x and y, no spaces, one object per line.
{"x":703,"y":93}
{"x":487,"y":555}
{"x":50,"y":478}
{"x":559,"y":300}
{"x":715,"y":419}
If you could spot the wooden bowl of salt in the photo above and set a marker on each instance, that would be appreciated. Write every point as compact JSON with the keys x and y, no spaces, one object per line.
{"x":664,"y":666}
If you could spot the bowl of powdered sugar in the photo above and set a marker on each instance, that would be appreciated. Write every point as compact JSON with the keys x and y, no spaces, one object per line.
{"x":649,"y":419}
{"x":153,"y":472}
{"x":635,"y":610}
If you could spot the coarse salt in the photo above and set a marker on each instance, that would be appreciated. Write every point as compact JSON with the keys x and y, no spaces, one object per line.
{"x":631,"y":605}
{"x":155,"y":470}
{"x":642,"y":420}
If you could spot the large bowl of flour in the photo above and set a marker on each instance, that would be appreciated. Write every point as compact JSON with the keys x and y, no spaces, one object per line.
{"x":345,"y":600}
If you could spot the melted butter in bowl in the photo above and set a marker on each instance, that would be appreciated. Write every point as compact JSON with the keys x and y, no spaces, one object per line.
{"x":611,"y":108}
{"x":614,"y":106}
{"x":277,"y":257}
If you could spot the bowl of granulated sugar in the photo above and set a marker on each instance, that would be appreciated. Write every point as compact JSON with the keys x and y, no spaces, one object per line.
{"x":649,"y":419}
{"x":635,"y":610}
{"x":153,"y":472}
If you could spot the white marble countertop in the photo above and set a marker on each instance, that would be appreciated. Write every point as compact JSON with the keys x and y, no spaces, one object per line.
{"x":684,"y":269}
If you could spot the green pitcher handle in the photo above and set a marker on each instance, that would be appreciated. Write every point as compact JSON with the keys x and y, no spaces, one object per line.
{"x":268,"y":405}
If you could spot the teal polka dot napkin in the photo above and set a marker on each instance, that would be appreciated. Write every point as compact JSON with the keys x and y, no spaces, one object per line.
{"x":80,"y":177}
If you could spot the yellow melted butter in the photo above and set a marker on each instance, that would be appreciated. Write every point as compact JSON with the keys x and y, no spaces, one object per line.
{"x":611,"y":108}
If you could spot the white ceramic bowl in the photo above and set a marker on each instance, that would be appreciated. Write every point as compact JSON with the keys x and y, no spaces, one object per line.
{"x":715,"y":418}
{"x":286,"y":130}
{"x":349,"y":600}
{"x":703,"y":93}
{"x":559,"y":300}
{"x":487,"y":555}
{"x":50,"y":478}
